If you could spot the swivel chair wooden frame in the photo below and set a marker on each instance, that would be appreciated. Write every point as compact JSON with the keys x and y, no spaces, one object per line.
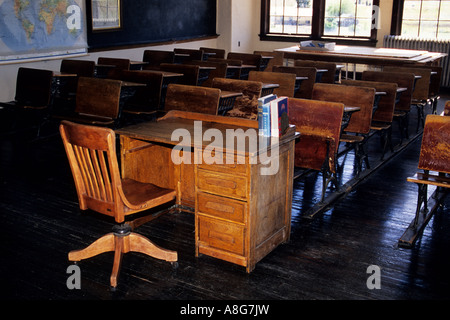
{"x":92,"y":156}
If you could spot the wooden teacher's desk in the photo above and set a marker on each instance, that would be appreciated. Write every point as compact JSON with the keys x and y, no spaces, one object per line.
{"x":240,"y":214}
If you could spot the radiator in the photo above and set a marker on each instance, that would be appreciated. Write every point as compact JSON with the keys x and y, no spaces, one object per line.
{"x":423,"y":44}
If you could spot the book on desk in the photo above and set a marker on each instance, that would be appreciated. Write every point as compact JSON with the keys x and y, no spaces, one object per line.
{"x":273,"y":116}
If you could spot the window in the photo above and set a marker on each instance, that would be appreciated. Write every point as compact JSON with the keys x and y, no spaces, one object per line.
{"x":318,"y":19}
{"x":105,"y":14}
{"x":426,"y":19}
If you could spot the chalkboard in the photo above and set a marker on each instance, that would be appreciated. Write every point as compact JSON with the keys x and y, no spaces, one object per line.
{"x":151,"y":21}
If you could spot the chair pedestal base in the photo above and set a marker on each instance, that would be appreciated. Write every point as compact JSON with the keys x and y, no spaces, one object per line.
{"x":122,"y":243}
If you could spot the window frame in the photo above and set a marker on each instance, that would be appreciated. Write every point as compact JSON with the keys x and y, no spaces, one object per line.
{"x":317,"y":28}
{"x":397,"y":18}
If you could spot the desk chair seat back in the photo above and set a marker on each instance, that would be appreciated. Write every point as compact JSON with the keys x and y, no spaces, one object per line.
{"x":403,"y":80}
{"x":154,"y":58}
{"x":319,"y":124}
{"x":306,"y":87}
{"x":422,"y":85}
{"x":328,"y":77}
{"x":220,"y":70}
{"x":192,"y":99}
{"x":33,"y":87}
{"x":82,"y":68}
{"x":147,"y":97}
{"x":249,"y":89}
{"x":386,"y":104}
{"x":286,"y":81}
{"x":247,"y":58}
{"x":190,"y":72}
{"x":351,"y":96}
{"x":91,"y":153}
{"x":98,"y":97}
{"x":218,"y":53}
{"x":194,"y":54}
{"x":435,"y":149}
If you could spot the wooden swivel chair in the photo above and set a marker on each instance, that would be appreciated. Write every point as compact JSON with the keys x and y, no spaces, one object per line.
{"x":92,"y":156}
{"x":32,"y":99}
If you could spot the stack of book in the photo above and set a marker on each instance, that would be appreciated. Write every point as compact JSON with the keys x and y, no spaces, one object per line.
{"x":273,"y":115}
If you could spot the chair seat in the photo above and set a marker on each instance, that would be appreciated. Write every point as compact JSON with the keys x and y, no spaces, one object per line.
{"x":139,"y":193}
{"x":380,"y":126}
{"x":348,"y":138}
{"x":90,"y":119}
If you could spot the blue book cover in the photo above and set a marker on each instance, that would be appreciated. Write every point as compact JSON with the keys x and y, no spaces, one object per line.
{"x":264,"y":114}
{"x":279,"y":116}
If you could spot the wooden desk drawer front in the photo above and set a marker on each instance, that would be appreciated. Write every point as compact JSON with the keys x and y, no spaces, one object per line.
{"x":222,"y":184}
{"x":221,"y":207}
{"x":229,"y":163}
{"x":221,"y":235}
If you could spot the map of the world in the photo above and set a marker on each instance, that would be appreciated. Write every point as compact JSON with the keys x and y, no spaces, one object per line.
{"x":39,"y":27}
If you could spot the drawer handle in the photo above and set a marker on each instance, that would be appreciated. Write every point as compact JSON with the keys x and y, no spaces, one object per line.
{"x":219,"y":207}
{"x":220,"y":236}
{"x":222,"y":183}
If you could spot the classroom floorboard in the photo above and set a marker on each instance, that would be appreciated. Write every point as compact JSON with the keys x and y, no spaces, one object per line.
{"x":326,"y":259}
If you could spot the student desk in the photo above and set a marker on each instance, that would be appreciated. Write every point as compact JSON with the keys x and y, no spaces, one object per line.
{"x":240,"y":214}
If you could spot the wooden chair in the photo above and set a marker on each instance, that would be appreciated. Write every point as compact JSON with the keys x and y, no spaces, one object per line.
{"x":220,"y":70}
{"x":434,"y":163}
{"x":146,"y":100}
{"x":319,"y":124}
{"x":68,"y":89}
{"x":218,"y":53}
{"x":232,"y":72}
{"x":97,"y":102}
{"x":190,"y":72}
{"x":192,"y":54}
{"x":247,"y":58}
{"x":118,"y":63}
{"x":93,"y":160}
{"x":154,"y":58}
{"x":446,"y":111}
{"x":403,"y":104}
{"x":330,"y":76}
{"x":245,"y":106}
{"x":286,"y":81}
{"x":276,"y":60}
{"x":384,"y":114}
{"x":356,"y":132}
{"x":192,"y":99}
{"x":420,"y":95}
{"x":304,"y":90}
{"x":32,"y":99}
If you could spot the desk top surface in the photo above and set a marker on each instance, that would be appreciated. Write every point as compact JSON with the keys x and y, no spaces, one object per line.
{"x":194,"y":126}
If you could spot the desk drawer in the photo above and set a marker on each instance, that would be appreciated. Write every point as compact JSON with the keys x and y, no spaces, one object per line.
{"x":229,"y":163}
{"x":221,"y":235}
{"x":222,"y":207}
{"x":222,"y":184}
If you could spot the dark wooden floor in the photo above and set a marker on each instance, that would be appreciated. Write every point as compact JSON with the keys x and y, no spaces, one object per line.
{"x":327,"y":257}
